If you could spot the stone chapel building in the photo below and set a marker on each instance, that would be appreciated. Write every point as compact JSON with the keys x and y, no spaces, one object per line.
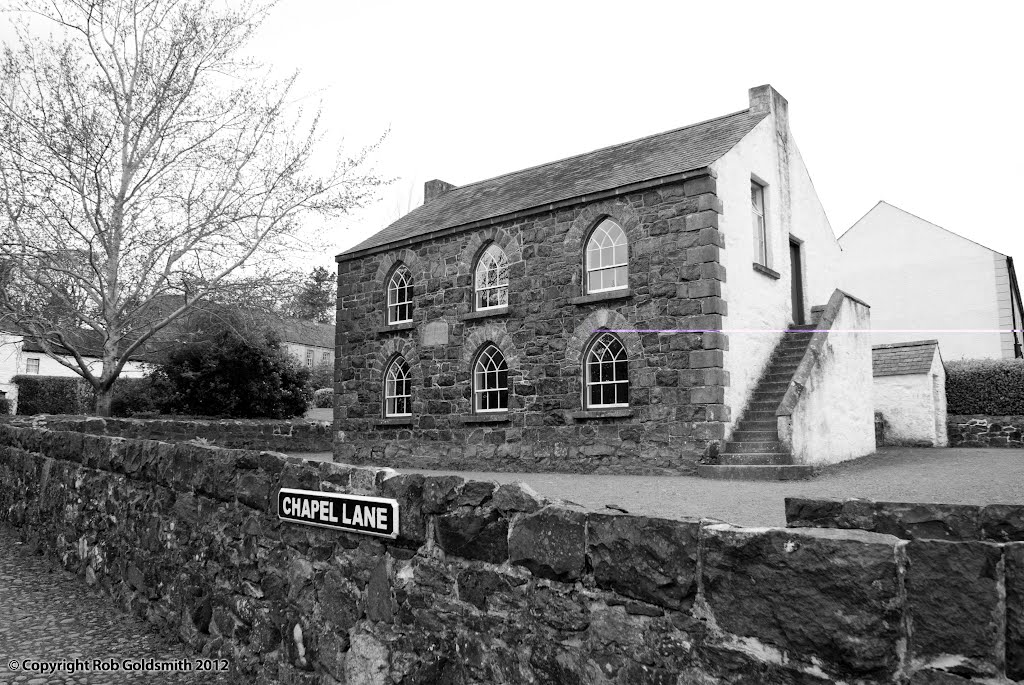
{"x":625,"y":310}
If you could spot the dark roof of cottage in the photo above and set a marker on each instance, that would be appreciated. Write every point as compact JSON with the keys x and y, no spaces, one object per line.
{"x":899,"y":359}
{"x":664,"y":154}
{"x":306,"y":332}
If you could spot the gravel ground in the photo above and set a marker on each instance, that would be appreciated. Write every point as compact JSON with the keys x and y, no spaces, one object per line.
{"x":49,"y":615}
{"x":949,"y":475}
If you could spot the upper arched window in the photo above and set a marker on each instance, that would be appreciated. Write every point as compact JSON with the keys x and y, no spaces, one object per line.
{"x":397,"y":389}
{"x":607,"y":258}
{"x":491,"y":280}
{"x":400,"y":296}
{"x":606,"y":373}
{"x":490,"y":381}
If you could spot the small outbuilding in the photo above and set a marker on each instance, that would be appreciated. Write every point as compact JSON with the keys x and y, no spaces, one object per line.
{"x":910,"y":393}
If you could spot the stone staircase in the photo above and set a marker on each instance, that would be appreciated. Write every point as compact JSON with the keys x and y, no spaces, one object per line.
{"x":754,"y":451}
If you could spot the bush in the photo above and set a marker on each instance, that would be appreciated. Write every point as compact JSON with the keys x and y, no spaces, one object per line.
{"x":5,"y":406}
{"x":323,"y":398}
{"x":235,"y":377}
{"x":136,"y":396}
{"x":322,"y":376}
{"x":52,"y":395}
{"x":994,"y":387}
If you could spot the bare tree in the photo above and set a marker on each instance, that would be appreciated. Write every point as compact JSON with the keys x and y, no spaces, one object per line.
{"x":146,"y":167}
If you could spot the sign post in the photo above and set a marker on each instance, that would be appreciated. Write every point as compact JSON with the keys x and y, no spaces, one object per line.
{"x":350,"y":513}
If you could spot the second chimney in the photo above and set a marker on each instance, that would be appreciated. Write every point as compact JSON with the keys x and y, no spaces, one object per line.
{"x":435,"y":189}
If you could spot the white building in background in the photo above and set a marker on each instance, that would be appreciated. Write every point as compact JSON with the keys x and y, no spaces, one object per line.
{"x":922,"y":277}
{"x":312,"y":344}
{"x":910,"y":392}
{"x":20,"y":357}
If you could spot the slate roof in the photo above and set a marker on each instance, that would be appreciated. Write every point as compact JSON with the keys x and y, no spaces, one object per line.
{"x":307,"y":333}
{"x":899,"y":359}
{"x":663,"y":154}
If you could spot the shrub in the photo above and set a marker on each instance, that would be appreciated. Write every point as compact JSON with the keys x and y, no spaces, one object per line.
{"x":322,"y":376}
{"x":52,"y":395}
{"x":323,"y":398}
{"x":994,"y":387}
{"x":5,"y":406}
{"x":137,"y":396}
{"x":236,"y":377}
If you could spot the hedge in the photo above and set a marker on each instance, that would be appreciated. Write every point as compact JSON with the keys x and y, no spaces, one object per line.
{"x":323,"y":398}
{"x":994,"y":387}
{"x":53,"y":395}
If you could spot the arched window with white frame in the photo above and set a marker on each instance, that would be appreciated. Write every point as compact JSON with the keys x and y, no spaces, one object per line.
{"x":400,"y":296}
{"x":397,"y":389}
{"x":607,"y":258}
{"x":490,"y":381}
{"x":491,"y":279}
{"x":606,"y":373}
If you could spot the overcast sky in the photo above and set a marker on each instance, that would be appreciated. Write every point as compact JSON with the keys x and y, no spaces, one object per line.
{"x":916,"y":103}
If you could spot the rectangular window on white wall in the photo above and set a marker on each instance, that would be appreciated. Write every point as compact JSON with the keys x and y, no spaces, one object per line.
{"x":32,"y":365}
{"x":309,"y":358}
{"x":326,"y":357}
{"x":759,"y":224}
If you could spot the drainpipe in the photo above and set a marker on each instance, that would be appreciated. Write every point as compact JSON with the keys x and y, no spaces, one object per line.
{"x":1016,"y":313}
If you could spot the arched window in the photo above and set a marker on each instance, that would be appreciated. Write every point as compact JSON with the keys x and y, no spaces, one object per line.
{"x":397,"y":389}
{"x":490,"y":381}
{"x":606,"y":373}
{"x":607,"y":258}
{"x":400,"y":296}
{"x":492,"y":278}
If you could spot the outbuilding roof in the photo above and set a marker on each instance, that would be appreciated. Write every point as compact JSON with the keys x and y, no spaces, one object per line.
{"x":899,"y":359}
{"x":673,"y":152}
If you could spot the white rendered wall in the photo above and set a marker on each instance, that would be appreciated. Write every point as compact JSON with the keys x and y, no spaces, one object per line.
{"x":834,"y":419}
{"x":919,"y":276}
{"x":756,"y":301}
{"x":914,"y":413}
{"x":299,"y":353}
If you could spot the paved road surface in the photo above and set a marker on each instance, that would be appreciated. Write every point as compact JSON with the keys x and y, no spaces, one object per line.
{"x":48,"y":614}
{"x":950,"y":475}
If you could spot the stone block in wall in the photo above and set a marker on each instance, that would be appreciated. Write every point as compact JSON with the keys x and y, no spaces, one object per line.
{"x":408,"y":489}
{"x":831,"y":596}
{"x":551,"y":543}
{"x":1003,"y":522}
{"x":1013,"y":558}
{"x":483,"y":537}
{"x":928,"y":520}
{"x":954,"y":604}
{"x":650,"y":559}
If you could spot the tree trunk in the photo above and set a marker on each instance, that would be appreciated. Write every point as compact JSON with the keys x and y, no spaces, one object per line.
{"x":103,"y":398}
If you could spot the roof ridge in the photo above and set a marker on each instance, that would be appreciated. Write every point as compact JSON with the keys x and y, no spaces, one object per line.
{"x":598,"y":149}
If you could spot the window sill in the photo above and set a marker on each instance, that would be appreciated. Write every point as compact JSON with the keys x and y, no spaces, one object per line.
{"x":601,"y":297}
{"x":616,"y":413}
{"x":769,"y":272}
{"x":496,"y":417}
{"x":393,"y":421}
{"x":396,"y":327}
{"x":483,"y":314}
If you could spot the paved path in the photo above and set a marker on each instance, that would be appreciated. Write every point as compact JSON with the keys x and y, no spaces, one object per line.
{"x":950,"y":475}
{"x":49,"y":615}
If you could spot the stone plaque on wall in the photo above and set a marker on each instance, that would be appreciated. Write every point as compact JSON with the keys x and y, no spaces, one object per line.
{"x":435,"y":333}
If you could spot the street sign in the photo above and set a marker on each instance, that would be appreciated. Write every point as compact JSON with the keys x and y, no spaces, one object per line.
{"x":350,"y":513}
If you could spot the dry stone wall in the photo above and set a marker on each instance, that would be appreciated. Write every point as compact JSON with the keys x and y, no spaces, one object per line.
{"x":493,"y":584}
{"x":985,"y":431}
{"x":260,"y":434}
{"x":677,"y":381}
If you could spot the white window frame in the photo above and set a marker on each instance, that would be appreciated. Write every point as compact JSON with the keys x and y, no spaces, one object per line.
{"x":493,"y":259}
{"x":484,"y":370}
{"x":310,"y":354}
{"x":400,"y":283}
{"x":601,"y":232}
{"x":28,"y":365}
{"x":398,"y":372}
{"x":602,"y":341}
{"x":325,"y":357}
{"x":759,"y":222}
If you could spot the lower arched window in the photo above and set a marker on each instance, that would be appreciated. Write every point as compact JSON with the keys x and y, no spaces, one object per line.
{"x":606,"y":373}
{"x":490,"y":381}
{"x":397,"y":389}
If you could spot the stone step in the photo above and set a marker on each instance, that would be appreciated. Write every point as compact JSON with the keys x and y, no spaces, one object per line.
{"x":759,"y":416}
{"x":755,"y":471}
{"x":779,"y":375}
{"x":750,"y":446}
{"x":754,"y":435}
{"x":755,"y":459}
{"x":768,"y":427}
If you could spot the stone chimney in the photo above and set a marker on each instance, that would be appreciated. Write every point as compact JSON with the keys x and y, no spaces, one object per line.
{"x":435,"y":189}
{"x":767,"y":99}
